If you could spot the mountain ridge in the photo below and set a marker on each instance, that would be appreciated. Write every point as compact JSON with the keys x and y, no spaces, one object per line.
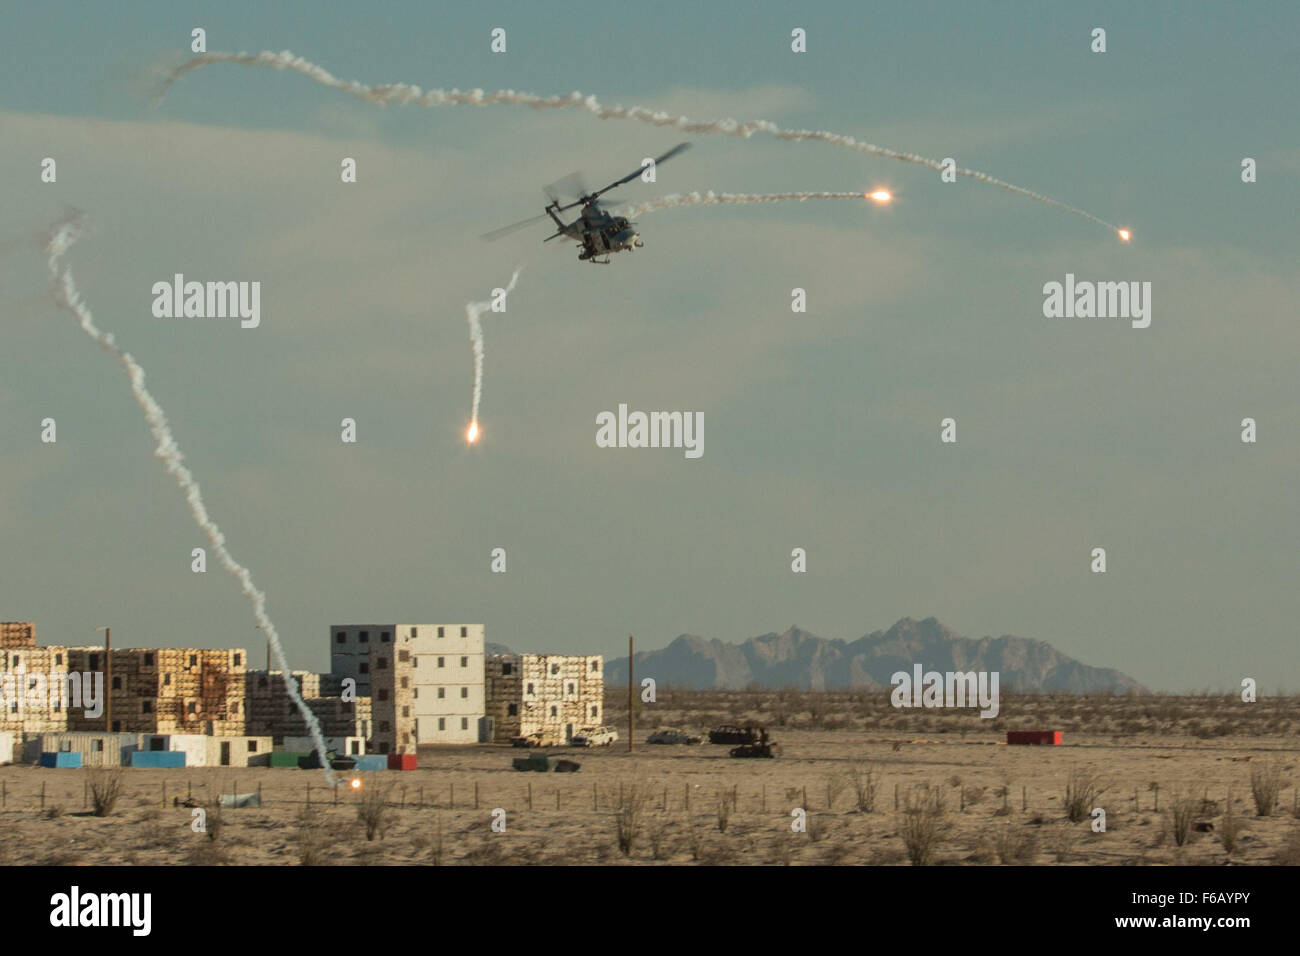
{"x":803,"y":660}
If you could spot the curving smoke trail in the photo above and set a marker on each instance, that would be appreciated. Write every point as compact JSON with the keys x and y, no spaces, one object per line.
{"x":711,"y":198}
{"x":62,"y":235}
{"x":403,"y":94}
{"x":474,"y":312}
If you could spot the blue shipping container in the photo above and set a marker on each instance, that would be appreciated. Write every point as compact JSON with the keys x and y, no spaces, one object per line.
{"x":157,"y":758}
{"x":61,"y":759}
{"x":371,"y":761}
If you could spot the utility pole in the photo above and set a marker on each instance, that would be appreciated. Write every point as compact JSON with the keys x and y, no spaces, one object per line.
{"x":108,"y":677}
{"x":268,"y":651}
{"x":631,"y":684}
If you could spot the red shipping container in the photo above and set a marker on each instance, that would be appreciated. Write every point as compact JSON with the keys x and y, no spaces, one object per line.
{"x":1048,"y":738}
{"x":401,"y":761}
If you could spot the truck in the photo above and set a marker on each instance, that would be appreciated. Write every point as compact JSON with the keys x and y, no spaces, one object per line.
{"x":594,"y":737}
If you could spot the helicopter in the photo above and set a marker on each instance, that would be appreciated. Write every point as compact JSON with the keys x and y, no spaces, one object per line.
{"x":599,"y":232}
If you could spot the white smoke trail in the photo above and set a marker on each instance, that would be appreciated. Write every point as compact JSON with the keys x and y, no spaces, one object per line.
{"x":711,"y":198}
{"x":404,"y":94}
{"x":62,"y":235}
{"x":474,"y":312}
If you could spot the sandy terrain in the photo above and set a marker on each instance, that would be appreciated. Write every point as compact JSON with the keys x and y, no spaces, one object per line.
{"x":1001,"y":803}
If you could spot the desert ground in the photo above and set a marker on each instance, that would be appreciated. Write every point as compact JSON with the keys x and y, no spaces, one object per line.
{"x":1182,"y":780}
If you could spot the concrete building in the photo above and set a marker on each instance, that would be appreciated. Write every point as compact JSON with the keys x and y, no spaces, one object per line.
{"x":35,"y":695}
{"x":270,"y":710}
{"x":425,"y":681}
{"x":170,"y":690}
{"x":551,"y":694}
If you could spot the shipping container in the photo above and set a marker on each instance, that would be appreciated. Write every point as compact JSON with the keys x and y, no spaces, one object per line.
{"x":343,"y":746}
{"x":158,"y":758}
{"x":96,"y":750}
{"x":371,"y":762}
{"x":1047,"y":738}
{"x":401,"y":761}
{"x":193,"y":746}
{"x":68,"y":759}
{"x":286,"y":758}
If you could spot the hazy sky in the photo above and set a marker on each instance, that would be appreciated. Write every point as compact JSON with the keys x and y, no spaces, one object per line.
{"x":821,"y":429}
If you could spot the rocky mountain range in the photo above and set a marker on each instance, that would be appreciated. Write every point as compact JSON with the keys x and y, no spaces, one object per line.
{"x":799,"y":659}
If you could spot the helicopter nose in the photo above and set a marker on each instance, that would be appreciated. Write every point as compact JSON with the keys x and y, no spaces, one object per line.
{"x":636,"y":241}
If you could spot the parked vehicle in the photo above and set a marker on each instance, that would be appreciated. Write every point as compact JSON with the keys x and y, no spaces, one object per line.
{"x":670,"y":736}
{"x":539,"y":762}
{"x":594,"y":737}
{"x":733,"y":734}
{"x":756,"y":750}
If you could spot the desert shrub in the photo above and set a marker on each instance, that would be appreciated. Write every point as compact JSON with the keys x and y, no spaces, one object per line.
{"x":1062,"y":842}
{"x":1265,"y":786}
{"x":372,"y":811}
{"x":1288,"y":854}
{"x":309,"y":840}
{"x":862,"y":779}
{"x":1081,"y":792}
{"x":1015,"y":846}
{"x":1181,"y":813}
{"x":1229,"y":827}
{"x":629,"y":819}
{"x":724,"y":811}
{"x":657,"y":834}
{"x":213,"y":822}
{"x":105,"y":790}
{"x":924,"y":826}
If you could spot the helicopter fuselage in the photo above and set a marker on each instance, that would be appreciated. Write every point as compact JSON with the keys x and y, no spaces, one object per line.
{"x":599,"y":233}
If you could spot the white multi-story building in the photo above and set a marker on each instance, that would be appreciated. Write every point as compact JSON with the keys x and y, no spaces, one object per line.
{"x":425,"y":681}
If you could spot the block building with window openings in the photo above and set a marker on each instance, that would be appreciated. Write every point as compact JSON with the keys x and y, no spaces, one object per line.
{"x":425,"y":681}
{"x":552,"y":694}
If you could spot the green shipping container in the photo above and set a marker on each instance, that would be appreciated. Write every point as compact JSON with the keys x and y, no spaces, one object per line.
{"x":286,"y":758}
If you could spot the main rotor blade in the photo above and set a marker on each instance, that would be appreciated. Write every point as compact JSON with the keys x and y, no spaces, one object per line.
{"x":679,"y":148}
{"x":572,"y":185}
{"x":506,"y":230}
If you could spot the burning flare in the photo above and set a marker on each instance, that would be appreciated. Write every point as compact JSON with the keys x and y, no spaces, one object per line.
{"x":1125,"y":235}
{"x":881,"y":196}
{"x":474,"y":313}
